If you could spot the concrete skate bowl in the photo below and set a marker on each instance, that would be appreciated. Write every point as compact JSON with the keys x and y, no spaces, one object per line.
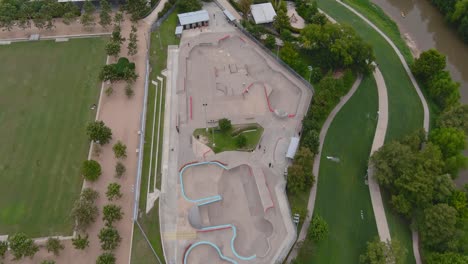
{"x":283,"y":94}
{"x":236,"y":206}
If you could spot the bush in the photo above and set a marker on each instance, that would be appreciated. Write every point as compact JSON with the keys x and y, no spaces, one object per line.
{"x":189,"y":6}
{"x":3,"y":248}
{"x":129,"y":91}
{"x":91,"y":170}
{"x":98,"y":132}
{"x":84,"y":210}
{"x":318,"y":229}
{"x":270,"y":41}
{"x":109,"y":238}
{"x":48,"y":262}
{"x":112,"y":213}
{"x":109,"y":91}
{"x":120,"y":150}
{"x":22,"y":246}
{"x":106,"y":258}
{"x":224,"y":125}
{"x":54,"y":245}
{"x":241,"y":141}
{"x":113,"y":191}
{"x":122,"y":70}
{"x":165,"y":9}
{"x":119,"y":169}
{"x":80,"y":242}
{"x":311,"y":140}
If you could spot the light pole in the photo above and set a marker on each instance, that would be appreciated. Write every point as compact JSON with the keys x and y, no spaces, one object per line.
{"x":206,"y":120}
{"x":310,"y":72}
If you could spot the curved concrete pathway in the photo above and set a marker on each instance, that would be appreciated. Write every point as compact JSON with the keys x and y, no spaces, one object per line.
{"x":313,"y":192}
{"x":415,"y":235}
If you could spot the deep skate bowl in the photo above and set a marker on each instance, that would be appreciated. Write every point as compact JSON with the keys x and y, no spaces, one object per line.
{"x":239,"y":209}
{"x":229,"y":67}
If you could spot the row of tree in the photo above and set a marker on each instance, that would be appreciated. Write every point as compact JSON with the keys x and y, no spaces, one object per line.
{"x":456,"y":13}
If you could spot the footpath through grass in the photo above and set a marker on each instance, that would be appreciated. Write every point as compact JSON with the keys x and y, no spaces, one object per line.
{"x":46,"y":90}
{"x":343,"y":198}
{"x":160,"y":39}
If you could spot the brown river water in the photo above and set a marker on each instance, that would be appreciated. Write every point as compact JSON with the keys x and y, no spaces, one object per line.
{"x":424,"y":27}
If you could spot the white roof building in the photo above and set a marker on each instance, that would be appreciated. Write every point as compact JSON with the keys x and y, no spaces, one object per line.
{"x":193,"y":17}
{"x":263,"y":13}
{"x":293,"y":145}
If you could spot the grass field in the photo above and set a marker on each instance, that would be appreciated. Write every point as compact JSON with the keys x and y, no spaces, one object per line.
{"x":46,"y":90}
{"x":227,"y":142}
{"x":342,"y":194}
{"x":160,"y":39}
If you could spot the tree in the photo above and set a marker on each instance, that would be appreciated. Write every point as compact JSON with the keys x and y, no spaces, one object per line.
{"x":84,"y":210}
{"x":113,"y":191}
{"x":80,"y":242}
{"x":117,"y":35}
{"x":106,"y":258}
{"x":244,"y":6}
{"x":91,"y":170}
{"x":456,"y":117}
{"x":54,"y":245}
{"x":118,"y":18}
{"x":318,"y":229}
{"x":113,"y":48}
{"x":319,"y":19}
{"x":189,"y":5}
{"x":98,"y":132}
{"x":310,"y":140}
{"x":270,"y":41}
{"x":438,"y":226}
{"x":22,"y":246}
{"x":241,"y":141}
{"x":109,"y":237}
{"x":281,"y":20}
{"x":446,"y":258}
{"x":7,"y":15}
{"x":119,"y":169}
{"x":429,"y":63}
{"x":111,"y":213}
{"x":87,"y":18}
{"x":379,"y":252}
{"x":289,"y":54}
{"x":105,"y":18}
{"x":443,"y":90}
{"x":68,"y":18}
{"x":3,"y":248}
{"x":224,"y":125}
{"x":137,"y":9}
{"x":451,"y":142}
{"x":132,"y":44}
{"x":300,"y":172}
{"x":25,"y":14}
{"x":120,"y":150}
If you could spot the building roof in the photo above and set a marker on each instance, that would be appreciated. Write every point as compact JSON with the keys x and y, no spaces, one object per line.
{"x":292,"y":147}
{"x":193,"y":17}
{"x":178,"y":30}
{"x":229,"y":15}
{"x":263,"y":13}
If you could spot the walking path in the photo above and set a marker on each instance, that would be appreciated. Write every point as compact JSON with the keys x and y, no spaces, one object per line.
{"x":313,"y":193}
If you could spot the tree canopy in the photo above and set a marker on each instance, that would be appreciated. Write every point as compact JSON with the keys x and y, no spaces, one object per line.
{"x":379,"y":252}
{"x":189,"y":6}
{"x":428,"y":64}
{"x":300,"y":175}
{"x":22,"y":246}
{"x":98,"y":132}
{"x":438,"y":226}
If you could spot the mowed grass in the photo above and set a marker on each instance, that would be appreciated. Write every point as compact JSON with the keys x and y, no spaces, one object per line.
{"x":46,"y":90}
{"x":226,"y":141}
{"x":342,"y":193}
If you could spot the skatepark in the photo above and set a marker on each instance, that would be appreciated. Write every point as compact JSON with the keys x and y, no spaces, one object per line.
{"x":229,"y":207}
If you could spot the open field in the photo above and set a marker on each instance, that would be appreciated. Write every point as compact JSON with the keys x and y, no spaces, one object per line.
{"x":46,"y":90}
{"x":342,"y":195}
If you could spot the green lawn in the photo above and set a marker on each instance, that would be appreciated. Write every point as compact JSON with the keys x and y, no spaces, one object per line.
{"x":160,"y":39}
{"x":226,"y":141}
{"x":46,"y":91}
{"x":342,"y":193}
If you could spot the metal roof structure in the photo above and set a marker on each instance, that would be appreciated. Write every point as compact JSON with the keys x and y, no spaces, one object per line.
{"x":292,"y":147}
{"x":263,"y":13}
{"x":193,"y":17}
{"x":178,"y":30}
{"x":229,"y":15}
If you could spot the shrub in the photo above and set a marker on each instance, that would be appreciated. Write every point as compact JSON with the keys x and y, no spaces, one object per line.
{"x":3,"y":248}
{"x":112,"y":213}
{"x":84,"y":210}
{"x":122,"y":70}
{"x":119,"y":169}
{"x":106,"y":258}
{"x":80,"y":242}
{"x":241,"y":141}
{"x":129,"y":91}
{"x":113,"y":191}
{"x":109,"y":238}
{"x":224,"y":125}
{"x":120,"y":150}
{"x":109,"y":91}
{"x":54,"y":245}
{"x":98,"y":132}
{"x":91,"y":170}
{"x":270,"y":41}
{"x":22,"y":246}
{"x":48,"y":262}
{"x":318,"y":229}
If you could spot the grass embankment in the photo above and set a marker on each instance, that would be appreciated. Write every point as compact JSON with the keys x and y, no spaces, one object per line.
{"x":160,"y":39}
{"x":342,"y":194}
{"x":227,"y":141}
{"x":405,"y":109}
{"x":46,"y":90}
